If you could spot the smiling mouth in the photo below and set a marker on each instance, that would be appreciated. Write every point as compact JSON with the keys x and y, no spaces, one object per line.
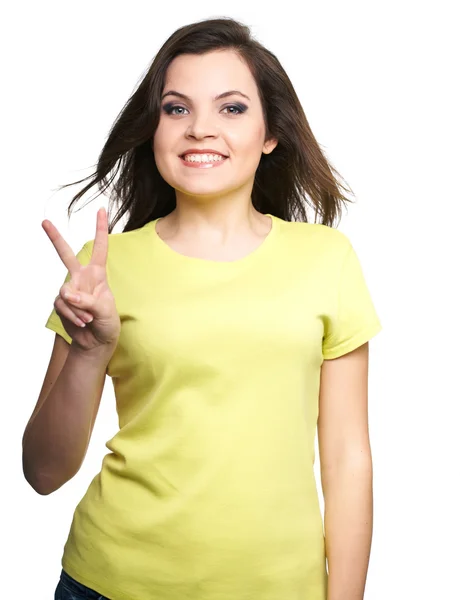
{"x":183,"y":156}
{"x":203,"y":164}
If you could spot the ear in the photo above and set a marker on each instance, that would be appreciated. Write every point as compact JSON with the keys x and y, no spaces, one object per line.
{"x":269,"y":146}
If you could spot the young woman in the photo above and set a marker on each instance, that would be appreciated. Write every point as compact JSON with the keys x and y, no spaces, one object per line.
{"x":232,"y":329}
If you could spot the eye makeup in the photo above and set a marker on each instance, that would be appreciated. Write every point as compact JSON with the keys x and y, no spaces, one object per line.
{"x":170,"y":106}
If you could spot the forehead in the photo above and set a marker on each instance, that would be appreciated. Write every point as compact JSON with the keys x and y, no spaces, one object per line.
{"x":213,"y":72}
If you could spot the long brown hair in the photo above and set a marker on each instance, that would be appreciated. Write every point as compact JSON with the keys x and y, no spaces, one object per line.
{"x":295,"y":174}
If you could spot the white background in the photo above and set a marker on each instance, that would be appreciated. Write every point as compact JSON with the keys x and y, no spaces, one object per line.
{"x":379,"y":85}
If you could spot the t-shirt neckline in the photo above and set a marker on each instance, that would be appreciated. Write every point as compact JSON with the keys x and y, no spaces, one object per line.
{"x":192,"y":261}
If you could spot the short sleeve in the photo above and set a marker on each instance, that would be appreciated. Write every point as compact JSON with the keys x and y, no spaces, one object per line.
{"x":54,"y":321}
{"x":355,"y":320}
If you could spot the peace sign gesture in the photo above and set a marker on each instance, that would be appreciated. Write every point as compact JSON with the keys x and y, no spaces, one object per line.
{"x":85,"y":303}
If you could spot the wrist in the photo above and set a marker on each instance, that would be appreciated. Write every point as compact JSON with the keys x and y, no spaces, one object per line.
{"x":101,"y":353}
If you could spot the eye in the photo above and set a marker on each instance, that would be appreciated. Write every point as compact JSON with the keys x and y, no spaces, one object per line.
{"x":236,"y":109}
{"x":169,"y":108}
{"x":240,"y":108}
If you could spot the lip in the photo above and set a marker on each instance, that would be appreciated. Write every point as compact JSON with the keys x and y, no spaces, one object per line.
{"x":198,"y":165}
{"x":201,"y":151}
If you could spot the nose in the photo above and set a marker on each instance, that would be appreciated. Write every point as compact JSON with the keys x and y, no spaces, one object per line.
{"x":202,"y":126}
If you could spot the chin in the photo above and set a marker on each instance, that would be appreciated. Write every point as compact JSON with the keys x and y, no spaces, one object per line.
{"x":203,"y":195}
{"x":200,"y":189}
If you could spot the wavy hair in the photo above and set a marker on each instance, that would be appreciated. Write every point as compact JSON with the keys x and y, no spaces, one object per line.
{"x":294,"y":175}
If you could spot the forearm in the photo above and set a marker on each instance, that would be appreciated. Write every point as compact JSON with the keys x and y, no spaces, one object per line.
{"x":348,"y":516}
{"x":57,"y":439}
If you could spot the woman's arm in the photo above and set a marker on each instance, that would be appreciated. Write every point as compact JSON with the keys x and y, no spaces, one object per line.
{"x":56,"y":438}
{"x":346,"y":472}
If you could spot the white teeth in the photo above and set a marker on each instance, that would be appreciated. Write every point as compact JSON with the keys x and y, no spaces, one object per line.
{"x":203,"y":157}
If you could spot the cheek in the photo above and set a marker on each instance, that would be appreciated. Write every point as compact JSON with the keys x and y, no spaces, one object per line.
{"x":161,"y":150}
{"x":158,"y":140}
{"x":164,"y":134}
{"x":247,"y":139}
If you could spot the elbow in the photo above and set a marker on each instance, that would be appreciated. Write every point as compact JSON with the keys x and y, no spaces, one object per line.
{"x":42,"y":491}
{"x":41,"y":485}
{"x":354,"y":467}
{"x":359,"y":458}
{"x":39,"y":482}
{"x":37,"y":485}
{"x":44,"y":473}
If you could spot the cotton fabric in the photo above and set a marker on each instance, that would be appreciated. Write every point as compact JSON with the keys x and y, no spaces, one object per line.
{"x":208,"y":489}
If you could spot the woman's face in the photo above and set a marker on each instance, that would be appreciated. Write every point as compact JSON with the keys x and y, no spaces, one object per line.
{"x":232,"y":125}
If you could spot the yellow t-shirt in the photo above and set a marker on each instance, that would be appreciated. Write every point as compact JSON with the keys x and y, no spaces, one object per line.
{"x":208,"y":491}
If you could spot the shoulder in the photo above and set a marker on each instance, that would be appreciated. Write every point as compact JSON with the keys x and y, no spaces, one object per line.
{"x":319,"y":239}
{"x":127,"y":253}
{"x":122,"y":242}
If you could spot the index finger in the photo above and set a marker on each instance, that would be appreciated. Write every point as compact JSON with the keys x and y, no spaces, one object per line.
{"x":99,"y":254}
{"x":65,"y":252}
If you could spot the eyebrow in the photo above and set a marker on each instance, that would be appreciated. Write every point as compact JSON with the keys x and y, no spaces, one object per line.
{"x":224,"y":95}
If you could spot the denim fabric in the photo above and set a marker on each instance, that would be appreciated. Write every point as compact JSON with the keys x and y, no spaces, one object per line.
{"x":70,"y":589}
